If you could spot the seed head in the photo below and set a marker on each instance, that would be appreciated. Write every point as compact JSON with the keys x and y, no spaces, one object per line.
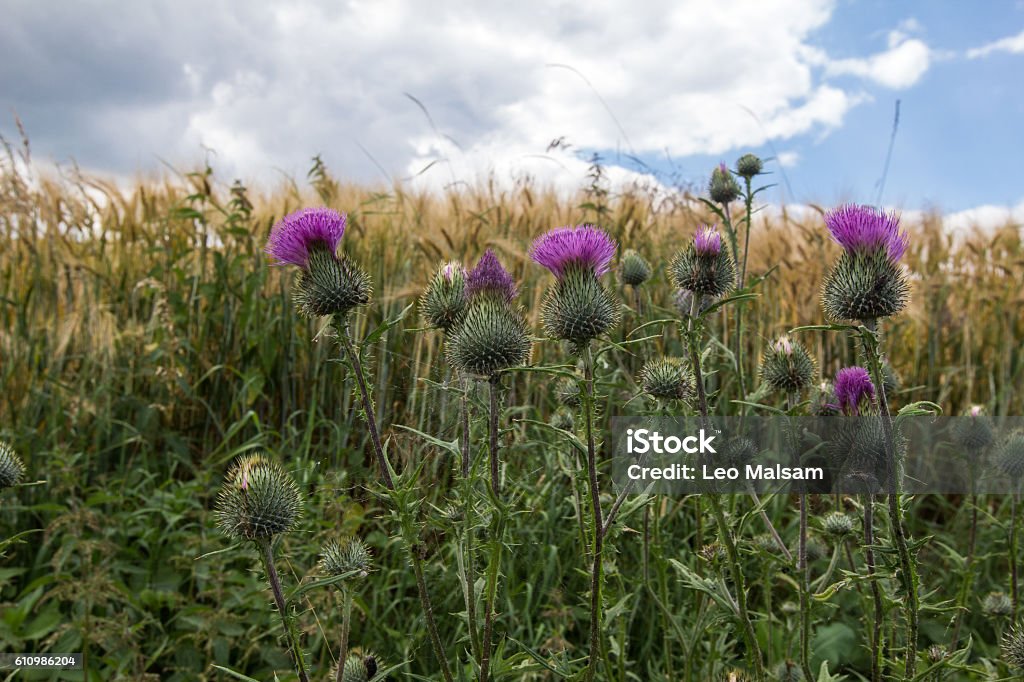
{"x":634,"y":269}
{"x":787,"y":366}
{"x":704,"y":267}
{"x":723,"y":187}
{"x":12,"y":469}
{"x":443,"y":304}
{"x":258,"y":500}
{"x":667,"y":379}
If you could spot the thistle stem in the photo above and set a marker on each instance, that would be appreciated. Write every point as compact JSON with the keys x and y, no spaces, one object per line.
{"x":346,"y":619}
{"x":598,"y":525}
{"x":1013,"y":555}
{"x":908,"y":571}
{"x":267,"y":556}
{"x":876,"y":593}
{"x":385,"y":470}
{"x":492,"y":433}
{"x":749,"y":636}
{"x":498,"y":527}
{"x":965,"y":586}
{"x":469,"y":578}
{"x":792,"y":400}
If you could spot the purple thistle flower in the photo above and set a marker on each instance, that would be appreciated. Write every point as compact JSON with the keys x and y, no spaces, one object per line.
{"x":707,"y":241}
{"x":451,"y":268}
{"x":584,"y":245}
{"x":295,"y":234}
{"x":490,"y":276}
{"x":864,"y":229}
{"x":852,"y":385}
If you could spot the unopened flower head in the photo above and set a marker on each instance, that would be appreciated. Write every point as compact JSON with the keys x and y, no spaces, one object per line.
{"x":748,"y":166}
{"x":443,"y":304}
{"x":704,"y":267}
{"x":258,"y":500}
{"x":1013,"y":646}
{"x":852,"y":388}
{"x":328,"y":283}
{"x":973,"y":432}
{"x":1010,"y":456}
{"x":634,"y":268}
{"x":489,"y":278}
{"x":997,"y":604}
{"x":494,"y":336}
{"x":867,"y":282}
{"x":578,"y":308}
{"x":837,"y":525}
{"x":564,"y":248}
{"x":12,"y":469}
{"x":723,"y":187}
{"x":361,"y":666}
{"x":787,"y":366}
{"x":351,"y":558}
{"x":667,"y":379}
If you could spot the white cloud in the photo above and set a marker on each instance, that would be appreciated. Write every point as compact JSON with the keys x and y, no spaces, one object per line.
{"x":788,"y":159}
{"x":1011,"y":44}
{"x":899,"y":67}
{"x":986,"y":217}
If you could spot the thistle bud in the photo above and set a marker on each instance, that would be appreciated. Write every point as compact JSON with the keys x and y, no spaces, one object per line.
{"x":748,"y":166}
{"x":634,"y":269}
{"x":258,"y":500}
{"x":787,"y":366}
{"x":837,"y":525}
{"x":704,"y":267}
{"x":443,"y":304}
{"x":723,"y":187}
{"x":563,"y":419}
{"x":997,"y":604}
{"x":667,"y":379}
{"x":568,"y":392}
{"x":738,"y":452}
{"x":351,"y":557}
{"x":789,"y":671}
{"x":361,"y":667}
{"x":12,"y":469}
{"x":1010,"y":456}
{"x":973,"y":432}
{"x":493,"y":337}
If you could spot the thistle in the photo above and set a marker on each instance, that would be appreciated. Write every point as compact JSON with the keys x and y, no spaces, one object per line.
{"x":667,"y":379}
{"x":837,"y":526}
{"x":704,"y":267}
{"x":578,"y":308}
{"x":973,"y":432}
{"x":683,"y":301}
{"x":749,"y":165}
{"x":997,"y":604}
{"x":360,"y":667}
{"x":634,"y":270}
{"x":327,"y":283}
{"x":1010,"y":456}
{"x":444,"y":302}
{"x":867,"y":282}
{"x":258,"y":500}
{"x":722,"y":186}
{"x":787,"y":366}
{"x":348,"y":562}
{"x":853,"y":390}
{"x":12,"y":469}
{"x":493,"y":336}
{"x":1013,"y":647}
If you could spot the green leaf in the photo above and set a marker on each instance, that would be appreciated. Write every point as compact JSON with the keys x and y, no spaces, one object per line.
{"x":234,"y":674}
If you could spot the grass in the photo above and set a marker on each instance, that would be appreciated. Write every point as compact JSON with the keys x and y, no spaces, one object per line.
{"x":145,"y":342}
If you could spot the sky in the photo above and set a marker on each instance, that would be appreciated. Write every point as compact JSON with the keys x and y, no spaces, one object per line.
{"x":446,"y":92}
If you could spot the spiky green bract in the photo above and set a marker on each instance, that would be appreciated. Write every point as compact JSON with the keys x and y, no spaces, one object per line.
{"x":563,"y":418}
{"x":837,"y":525}
{"x":858,"y":455}
{"x":683,"y":301}
{"x":634,"y":268}
{"x":578,"y":308}
{"x":864,"y":286}
{"x":787,"y":366}
{"x":1010,"y":457}
{"x":493,"y":337}
{"x":444,"y":302}
{"x":997,"y":604}
{"x":737,"y":452}
{"x":748,"y":166}
{"x":361,"y":667}
{"x":667,"y":379}
{"x":789,"y":671}
{"x":709,"y":274}
{"x":259,"y":500}
{"x":723,"y":187}
{"x":1013,"y":647}
{"x":349,"y":557}
{"x":974,"y":431}
{"x":12,"y":469}
{"x":330,"y":285}
{"x":823,"y":402}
